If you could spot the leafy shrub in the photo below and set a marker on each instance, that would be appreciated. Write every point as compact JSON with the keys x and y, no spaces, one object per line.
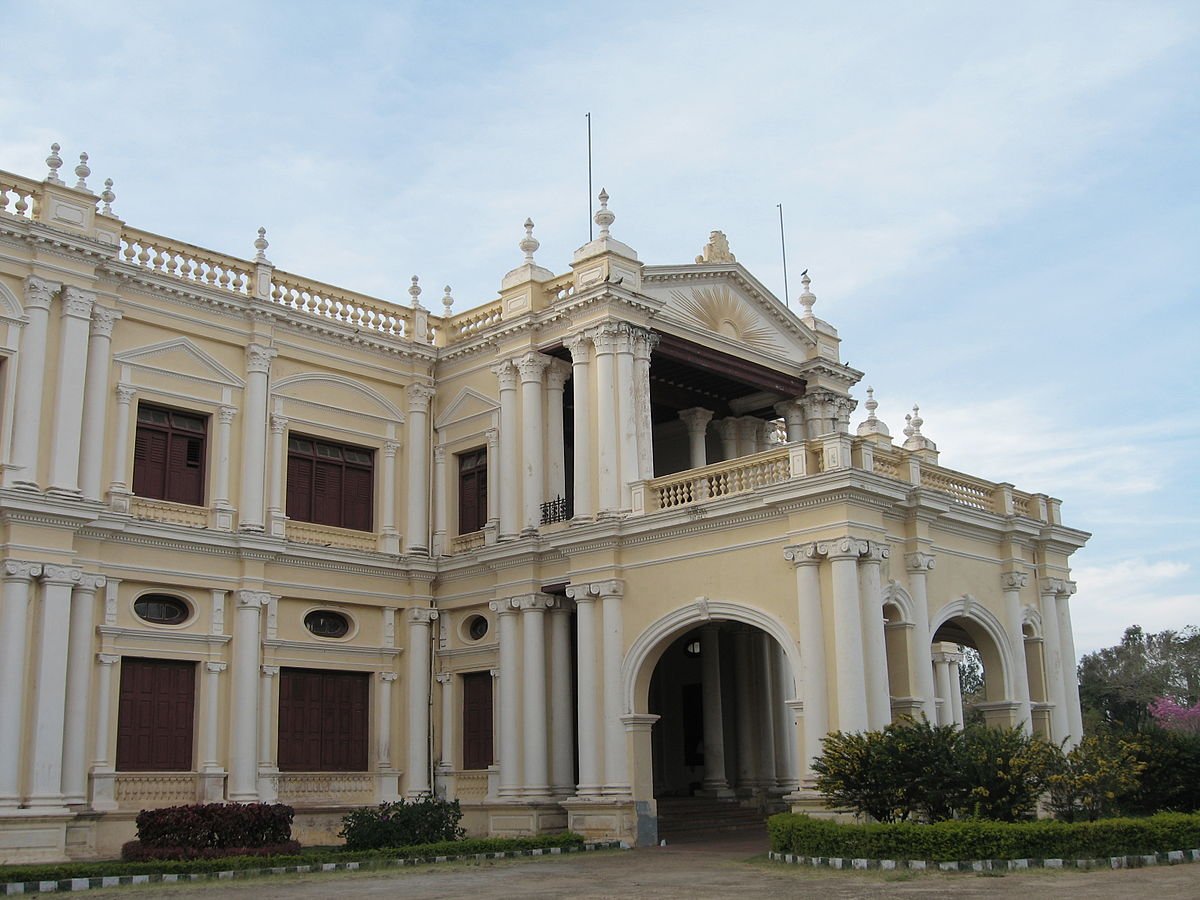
{"x":1093,"y":779}
{"x":975,"y":839}
{"x":425,"y":820}
{"x":1001,"y":772}
{"x":136,"y":851}
{"x":1170,"y":778}
{"x":220,"y":825}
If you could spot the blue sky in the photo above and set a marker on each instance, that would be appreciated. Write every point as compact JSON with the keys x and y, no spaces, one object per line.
{"x":999,"y":203}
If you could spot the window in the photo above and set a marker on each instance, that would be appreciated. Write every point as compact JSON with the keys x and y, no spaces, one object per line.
{"x":154,"y":718}
{"x":477,"y":720}
{"x":327,"y":624}
{"x":472,"y":490}
{"x":330,"y":484}
{"x":161,"y":609}
{"x":168,"y":455}
{"x":322,"y":720}
{"x":477,"y":628}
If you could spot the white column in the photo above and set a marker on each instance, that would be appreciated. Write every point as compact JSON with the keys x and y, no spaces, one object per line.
{"x":118,"y":487}
{"x":243,"y":732}
{"x":605,"y":339}
{"x":14,"y":618}
{"x":419,"y":655}
{"x":763,"y":654}
{"x":793,"y":416}
{"x":536,"y":783}
{"x":209,"y":759}
{"x":254,"y":436}
{"x":807,"y":559}
{"x":956,"y":689}
{"x":95,"y":401}
{"x":586,"y":671}
{"x":278,"y":470}
{"x":417,"y":536}
{"x":509,"y":486}
{"x":79,"y":688}
{"x":728,"y":430}
{"x":562,"y":738}
{"x":697,"y":420}
{"x":714,"y":720}
{"x":785,"y":722}
{"x":440,"y":499}
{"x":581,"y":383}
{"x":644,"y":343}
{"x":1060,"y":720}
{"x":748,"y":435}
{"x":103,"y":799}
{"x":843,"y":557}
{"x":919,"y":565}
{"x":448,"y":742}
{"x":493,"y":478}
{"x":532,"y":366}
{"x":941,"y":665}
{"x":73,"y":330}
{"x":616,"y":768}
{"x":1069,"y":664}
{"x":268,"y":789}
{"x":627,"y":417}
{"x":1012,"y":583}
{"x":870,"y":587}
{"x":221,"y":499}
{"x":45,"y":750}
{"x":747,"y":767}
{"x":509,"y":713}
{"x":31,"y":373}
{"x":383,"y":721}
{"x":556,"y":461}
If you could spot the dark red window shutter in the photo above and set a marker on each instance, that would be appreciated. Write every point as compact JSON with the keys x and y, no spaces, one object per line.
{"x":150,"y":463}
{"x":299,"y":487}
{"x":323,"y":720}
{"x":357,"y":500}
{"x":477,"y":720}
{"x":168,"y":455}
{"x":327,"y":493}
{"x":330,"y":484}
{"x":154,"y":716}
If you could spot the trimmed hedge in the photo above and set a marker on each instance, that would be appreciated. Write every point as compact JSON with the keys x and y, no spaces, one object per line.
{"x":136,"y":851}
{"x":203,"y":825}
{"x":977,"y":839}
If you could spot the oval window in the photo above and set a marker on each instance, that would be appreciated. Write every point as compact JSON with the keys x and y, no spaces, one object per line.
{"x":477,"y":628}
{"x":161,"y":609}
{"x":327,"y":624}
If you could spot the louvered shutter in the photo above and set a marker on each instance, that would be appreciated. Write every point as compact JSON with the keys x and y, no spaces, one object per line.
{"x":299,"y":488}
{"x":358,"y":487}
{"x":327,"y":493}
{"x":150,"y":464}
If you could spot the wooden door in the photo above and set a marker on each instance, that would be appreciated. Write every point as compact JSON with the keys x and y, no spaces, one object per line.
{"x":477,"y":720}
{"x":155,"y":715}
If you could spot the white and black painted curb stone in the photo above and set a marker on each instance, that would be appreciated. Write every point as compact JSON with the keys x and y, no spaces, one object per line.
{"x":15,"y":888}
{"x":1169,"y":858}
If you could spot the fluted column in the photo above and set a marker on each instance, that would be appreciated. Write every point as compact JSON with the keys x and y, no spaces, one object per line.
{"x":508,"y":492}
{"x":417,"y":536}
{"x":728,"y":431}
{"x":1069,"y":664}
{"x":536,"y":784}
{"x":843,"y":555}
{"x":509,"y":713}
{"x":562,"y":738}
{"x":556,"y":463}
{"x":243,"y":734}
{"x":118,"y":487}
{"x":14,"y":618}
{"x":919,"y":564}
{"x":1012,"y":583}
{"x":627,"y":428}
{"x":254,"y":436}
{"x":1060,"y":720}
{"x":581,"y":382}
{"x":747,"y":767}
{"x":31,"y":373}
{"x":95,"y":401}
{"x":440,"y":500}
{"x":278,"y":475}
{"x":715,"y":780}
{"x":587,"y":674}
{"x":79,"y":687}
{"x":103,"y":798}
{"x":389,"y":537}
{"x":73,"y":331}
{"x":696,"y":420}
{"x":644,"y":343}
{"x":870,"y":587}
{"x":268,"y":791}
{"x":806,"y":558}
{"x":532,"y":367}
{"x":420,"y":649}
{"x":616,"y":768}
{"x":763,"y":653}
{"x":221,"y":499}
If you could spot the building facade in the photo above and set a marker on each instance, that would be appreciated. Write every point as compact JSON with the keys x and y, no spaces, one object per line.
{"x":608,"y":538}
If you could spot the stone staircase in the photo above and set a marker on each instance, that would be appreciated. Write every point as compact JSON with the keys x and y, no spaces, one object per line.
{"x":683,"y":816}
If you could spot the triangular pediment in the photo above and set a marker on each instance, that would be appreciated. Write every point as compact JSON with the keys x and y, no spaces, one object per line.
{"x":181,"y":359}
{"x":467,"y":404}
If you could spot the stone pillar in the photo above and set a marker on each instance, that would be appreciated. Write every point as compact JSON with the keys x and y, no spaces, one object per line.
{"x":941,"y":665}
{"x":956,"y":689}
{"x":616,"y":769}
{"x":493,"y":477}
{"x":536,"y":784}
{"x":103,"y":796}
{"x":747,"y":768}
{"x":843,"y":555}
{"x":807,"y":559}
{"x":1060,"y":720}
{"x":763,"y":654}
{"x":383,"y":739}
{"x":389,"y":536}
{"x":1069,"y":664}
{"x":268,"y":791}
{"x":417,"y":536}
{"x":606,"y":339}
{"x":79,"y":688}
{"x":793,"y":417}
{"x":510,"y":460}
{"x":68,"y":390}
{"x":870,"y":587}
{"x":509,"y":712}
{"x":644,"y":343}
{"x":278,"y":468}
{"x":581,"y":381}
{"x":557,"y":374}
{"x":28,"y":402}
{"x":221,"y":500}
{"x":562,"y":739}
{"x":785,"y":722}
{"x":728,"y":430}
{"x":1012,"y":583}
{"x":919,"y":565}
{"x":14,"y":618}
{"x":449,"y":705}
{"x":627,"y":426}
{"x":212,"y":773}
{"x":697,"y":420}
{"x":715,"y":781}
{"x":748,"y":433}
{"x":118,"y":487}
{"x":45,"y":749}
{"x":587,"y":674}
{"x":532,"y":367}
{"x":243,"y":726}
{"x":254,"y":438}
{"x":420,"y":649}
{"x":95,"y":401}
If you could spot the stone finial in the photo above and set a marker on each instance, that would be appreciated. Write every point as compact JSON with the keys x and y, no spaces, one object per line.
{"x":872,"y":425}
{"x":716,"y":250}
{"x":807,"y":297}
{"x":914,"y":440}
{"x":415,"y":292}
{"x":916,"y":421}
{"x":447,"y":302}
{"x":604,"y":216}
{"x":54,"y":162}
{"x":260,"y":245}
{"x":83,"y":172}
{"x":108,"y":197}
{"x":909,"y":431}
{"x":529,"y":243}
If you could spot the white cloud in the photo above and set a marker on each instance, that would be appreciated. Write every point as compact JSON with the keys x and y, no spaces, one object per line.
{"x":1154,"y":594}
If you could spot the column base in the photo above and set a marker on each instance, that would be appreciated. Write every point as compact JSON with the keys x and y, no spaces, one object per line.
{"x":212,"y":786}
{"x":221,"y":517}
{"x":387,"y":786}
{"x":119,"y":499}
{"x":268,"y":784}
{"x":64,"y":493}
{"x":717,"y":791}
{"x":609,"y":818}
{"x":104,"y":790}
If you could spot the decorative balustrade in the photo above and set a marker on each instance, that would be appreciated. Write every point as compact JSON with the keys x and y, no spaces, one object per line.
{"x":723,"y":479}
{"x":560,"y":288}
{"x":329,"y":536}
{"x":340,"y":305}
{"x":471,"y":786}
{"x":19,"y":196}
{"x":465,"y":543}
{"x":968,"y":491}
{"x":326,"y":788}
{"x":186,"y":262}
{"x":141,"y":790}
{"x":473,"y":320}
{"x":168,"y":513}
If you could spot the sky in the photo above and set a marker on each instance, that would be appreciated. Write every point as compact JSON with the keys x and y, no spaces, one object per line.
{"x":999,"y":204}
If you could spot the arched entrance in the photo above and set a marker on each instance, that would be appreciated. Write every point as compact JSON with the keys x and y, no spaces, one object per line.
{"x":966,"y":624}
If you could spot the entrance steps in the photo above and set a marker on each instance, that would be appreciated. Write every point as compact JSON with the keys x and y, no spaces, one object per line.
{"x":690,"y":815}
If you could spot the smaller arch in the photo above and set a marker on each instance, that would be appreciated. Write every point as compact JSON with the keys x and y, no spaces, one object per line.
{"x":972,"y":611}
{"x":10,"y":307}
{"x":899,"y":597}
{"x":1032,"y":617}
{"x":386,"y":409}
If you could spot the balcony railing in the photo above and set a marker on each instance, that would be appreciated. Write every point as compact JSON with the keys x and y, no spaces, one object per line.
{"x":557,"y":510}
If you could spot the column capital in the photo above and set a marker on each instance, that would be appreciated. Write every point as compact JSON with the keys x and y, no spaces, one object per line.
{"x":440,"y":678}
{"x":65,"y":575}
{"x":876,"y":552}
{"x":39,"y":292}
{"x":503,"y":607}
{"x":103,"y":320}
{"x":77,"y":302}
{"x":696,"y":418}
{"x":919,"y":561}
{"x":727,"y":428}
{"x":803,"y":554}
{"x":607,"y":337}
{"x":644,"y":342}
{"x":495,"y":673}
{"x":790,"y":409}
{"x":439,"y":452}
{"x":92,"y":582}
{"x":258,"y":358}
{"x":493,"y":437}
{"x":279,"y":424}
{"x":125,"y":393}
{"x":419,"y":394}
{"x":422,"y":615}
{"x":639,"y":722}
{"x":1013,"y":581}
{"x":538,"y":602}
{"x":269,"y":671}
{"x":387,"y":677}
{"x":612,"y":587}
{"x":506,"y":374}
{"x":557,"y":374}
{"x":532,"y":366}
{"x":215,"y":668}
{"x":1056,"y":587}
{"x":843,"y":548}
{"x":107,"y":659}
{"x":578,"y":345}
{"x":251,"y":599}
{"x":19,"y":570}
{"x":946,"y":656}
{"x":225,"y":414}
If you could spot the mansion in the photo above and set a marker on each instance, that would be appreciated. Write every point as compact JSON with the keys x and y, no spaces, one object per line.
{"x":606,"y":539}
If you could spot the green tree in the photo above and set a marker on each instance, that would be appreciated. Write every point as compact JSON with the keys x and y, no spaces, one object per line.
{"x":1117,"y":684}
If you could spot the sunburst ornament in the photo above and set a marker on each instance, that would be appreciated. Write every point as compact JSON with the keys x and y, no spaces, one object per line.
{"x":719,"y":310}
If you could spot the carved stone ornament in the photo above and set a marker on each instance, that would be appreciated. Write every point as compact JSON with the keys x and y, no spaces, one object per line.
{"x":252,"y":599}
{"x":1013,"y":581}
{"x":389,"y":677}
{"x":68,"y":575}
{"x":608,"y":338}
{"x":125,"y":394}
{"x":1053,"y":586}
{"x":877,"y":552}
{"x":390,"y":448}
{"x":843,"y":548}
{"x":278,"y":424}
{"x":919,"y":562}
{"x":716,"y":251}
{"x":103,"y":320}
{"x":39,"y":292}
{"x":258,"y":359}
{"x":110,"y":659}
{"x":557,"y":374}
{"x":580,"y":346}
{"x":92,"y":583}
{"x":419,"y":395}
{"x":803,"y":554}
{"x":215,"y":668}
{"x":535,"y":602}
{"x":422,"y":615}
{"x":270,"y":671}
{"x":702,"y":610}
{"x":506,"y":375}
{"x":19,"y":570}
{"x":225,"y":414}
{"x":532,"y":366}
{"x":77,"y":302}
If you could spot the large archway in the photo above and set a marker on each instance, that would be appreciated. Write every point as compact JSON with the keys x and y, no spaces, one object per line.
{"x":966,"y":623}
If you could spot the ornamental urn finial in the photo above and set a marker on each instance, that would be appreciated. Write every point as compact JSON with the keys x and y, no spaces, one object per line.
{"x":604,"y":216}
{"x":82,"y":171}
{"x":447,"y":302}
{"x":54,"y":162}
{"x":108,"y":197}
{"x":807,"y":297}
{"x":529,"y":243}
{"x":260,"y":245}
{"x":415,"y":292}
{"x":872,"y":424}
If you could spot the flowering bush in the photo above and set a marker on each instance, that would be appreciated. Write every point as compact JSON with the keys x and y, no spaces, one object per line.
{"x":1170,"y":715}
{"x":1094,"y":778}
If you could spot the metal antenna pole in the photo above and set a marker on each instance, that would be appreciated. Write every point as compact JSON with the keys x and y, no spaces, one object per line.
{"x":783,"y":247}
{"x":591,"y":225}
